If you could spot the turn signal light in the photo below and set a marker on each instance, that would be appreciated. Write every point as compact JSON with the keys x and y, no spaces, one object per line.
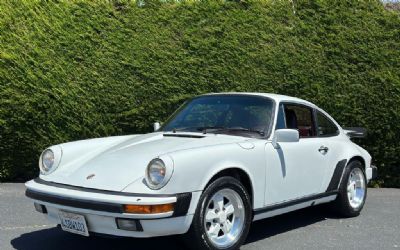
{"x":149,"y":209}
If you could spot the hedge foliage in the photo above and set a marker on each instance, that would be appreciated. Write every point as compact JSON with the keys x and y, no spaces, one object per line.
{"x":78,"y":69}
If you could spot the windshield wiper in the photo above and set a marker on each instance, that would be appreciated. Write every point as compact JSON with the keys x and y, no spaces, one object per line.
{"x":180,"y":129}
{"x":218,"y":129}
{"x":202,"y":129}
{"x":207,"y":129}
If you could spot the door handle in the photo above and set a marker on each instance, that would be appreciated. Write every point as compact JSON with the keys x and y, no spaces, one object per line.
{"x":323,"y":150}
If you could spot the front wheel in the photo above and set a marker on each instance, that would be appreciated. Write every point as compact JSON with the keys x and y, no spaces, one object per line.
{"x":352,"y":191}
{"x":223,"y":216}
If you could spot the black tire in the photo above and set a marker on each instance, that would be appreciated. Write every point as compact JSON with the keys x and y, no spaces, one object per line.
{"x":342,"y":205}
{"x":197,"y":238}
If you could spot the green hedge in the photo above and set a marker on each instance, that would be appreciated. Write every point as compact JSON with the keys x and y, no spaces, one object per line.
{"x":78,"y":69}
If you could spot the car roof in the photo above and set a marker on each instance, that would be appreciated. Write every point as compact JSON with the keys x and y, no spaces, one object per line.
{"x":276,"y":97}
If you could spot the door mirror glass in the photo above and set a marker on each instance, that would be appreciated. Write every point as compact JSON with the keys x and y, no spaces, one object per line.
{"x":156,"y":126}
{"x":285,"y":135}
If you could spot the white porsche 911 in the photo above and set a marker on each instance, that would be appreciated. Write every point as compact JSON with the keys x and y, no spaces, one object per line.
{"x":218,"y":163}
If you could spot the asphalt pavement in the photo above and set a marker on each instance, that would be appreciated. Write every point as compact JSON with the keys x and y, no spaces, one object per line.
{"x":378,"y":227}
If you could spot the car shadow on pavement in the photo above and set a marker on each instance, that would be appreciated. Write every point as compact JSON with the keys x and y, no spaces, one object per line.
{"x":55,"y":238}
{"x":266,"y":228}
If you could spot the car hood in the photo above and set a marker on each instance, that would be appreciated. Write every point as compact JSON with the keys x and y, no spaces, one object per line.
{"x":113,"y":164}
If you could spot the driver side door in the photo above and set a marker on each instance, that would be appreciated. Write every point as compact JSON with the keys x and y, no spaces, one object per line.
{"x":295,"y":169}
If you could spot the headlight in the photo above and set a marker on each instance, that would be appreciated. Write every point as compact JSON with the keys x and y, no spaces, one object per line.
{"x":158,"y":174}
{"x":50,"y":159}
{"x":47,"y":160}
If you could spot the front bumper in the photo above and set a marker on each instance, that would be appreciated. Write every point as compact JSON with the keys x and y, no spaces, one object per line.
{"x":102,"y":208}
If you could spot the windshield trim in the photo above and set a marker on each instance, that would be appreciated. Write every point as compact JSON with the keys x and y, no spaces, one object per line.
{"x":267,"y":132}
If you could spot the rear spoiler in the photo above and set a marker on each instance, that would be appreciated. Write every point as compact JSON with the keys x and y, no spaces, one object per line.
{"x":355,"y":132}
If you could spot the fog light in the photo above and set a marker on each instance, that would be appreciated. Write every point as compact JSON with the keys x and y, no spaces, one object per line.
{"x":129,"y":224}
{"x":40,"y":208}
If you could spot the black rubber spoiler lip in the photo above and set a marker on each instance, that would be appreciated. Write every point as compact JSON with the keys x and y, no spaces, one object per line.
{"x":73,"y":202}
{"x":355,"y":132}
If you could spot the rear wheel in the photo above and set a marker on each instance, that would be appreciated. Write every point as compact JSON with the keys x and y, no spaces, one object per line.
{"x":223,"y":216}
{"x":352,"y":190}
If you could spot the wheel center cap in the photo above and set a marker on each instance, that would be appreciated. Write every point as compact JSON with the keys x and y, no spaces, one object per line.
{"x":222,"y":217}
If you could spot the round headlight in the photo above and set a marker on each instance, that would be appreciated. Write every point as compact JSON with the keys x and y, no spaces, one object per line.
{"x":50,"y":159}
{"x":47,"y":160}
{"x":157,"y":174}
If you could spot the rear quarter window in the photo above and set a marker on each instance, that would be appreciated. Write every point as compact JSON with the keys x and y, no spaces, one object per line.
{"x":326,"y":127}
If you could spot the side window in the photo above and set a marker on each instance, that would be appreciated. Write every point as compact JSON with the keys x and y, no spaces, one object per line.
{"x":325,"y":126}
{"x":301,"y":118}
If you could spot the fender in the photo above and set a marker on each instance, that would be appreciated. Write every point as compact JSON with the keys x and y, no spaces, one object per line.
{"x":337,"y":176}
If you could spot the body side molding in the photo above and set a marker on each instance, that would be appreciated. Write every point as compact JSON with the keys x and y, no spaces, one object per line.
{"x":293,"y":202}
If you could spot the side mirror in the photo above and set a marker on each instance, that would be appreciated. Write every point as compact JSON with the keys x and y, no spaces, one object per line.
{"x":156,"y":126}
{"x":285,"y":135}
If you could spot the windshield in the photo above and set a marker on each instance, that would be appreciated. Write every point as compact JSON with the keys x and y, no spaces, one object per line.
{"x":248,"y":115}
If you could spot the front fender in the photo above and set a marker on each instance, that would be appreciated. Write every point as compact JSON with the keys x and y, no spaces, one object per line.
{"x":194,"y":168}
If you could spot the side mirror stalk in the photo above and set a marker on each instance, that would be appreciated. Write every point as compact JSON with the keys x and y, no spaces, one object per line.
{"x":275,"y":143}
